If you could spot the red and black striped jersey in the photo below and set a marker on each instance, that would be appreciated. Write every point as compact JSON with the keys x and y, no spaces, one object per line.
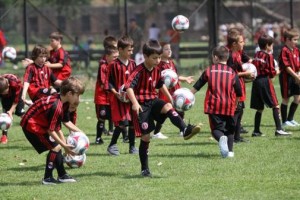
{"x":45,"y":114}
{"x":145,"y":83}
{"x":264,"y":63}
{"x":223,"y":88}
{"x":101,"y":95}
{"x":62,"y":57}
{"x":14,"y":89}
{"x":289,"y":58}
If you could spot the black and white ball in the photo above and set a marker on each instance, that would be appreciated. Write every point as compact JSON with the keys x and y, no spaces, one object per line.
{"x":75,"y":161}
{"x":124,"y":98}
{"x":183,"y":99}
{"x":5,"y":121}
{"x":9,"y":53}
{"x":169,"y":77}
{"x":249,"y":67}
{"x":79,"y":141}
{"x":180,"y":23}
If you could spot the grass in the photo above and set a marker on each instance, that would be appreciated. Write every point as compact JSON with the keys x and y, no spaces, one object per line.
{"x":265,"y":168}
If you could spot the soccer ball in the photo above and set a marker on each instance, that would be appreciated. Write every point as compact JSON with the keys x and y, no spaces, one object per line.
{"x":169,"y":77}
{"x":79,"y":141}
{"x":9,"y":53}
{"x":180,"y":23}
{"x":249,"y":67}
{"x":75,"y":161}
{"x":124,"y":98}
{"x":183,"y":99}
{"x":5,"y":121}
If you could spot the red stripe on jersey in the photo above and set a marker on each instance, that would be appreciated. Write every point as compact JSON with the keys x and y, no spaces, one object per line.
{"x":272,"y":92}
{"x":62,"y":57}
{"x":264,"y":63}
{"x":289,"y":58}
{"x":101,"y":96}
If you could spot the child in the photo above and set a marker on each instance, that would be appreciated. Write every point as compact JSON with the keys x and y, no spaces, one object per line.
{"x":102,"y":96}
{"x":167,"y":63}
{"x":119,"y":71}
{"x":41,"y":125}
{"x":59,"y":60}
{"x":10,"y":94}
{"x":38,"y":77}
{"x":289,"y":77}
{"x":263,"y":91}
{"x":141,"y":88}
{"x":221,"y":98}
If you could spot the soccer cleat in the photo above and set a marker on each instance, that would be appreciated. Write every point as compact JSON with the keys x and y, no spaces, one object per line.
{"x":146,"y":173}
{"x":133,"y":150}
{"x":242,"y":130}
{"x":113,"y":150}
{"x":257,"y":134}
{"x":126,"y":140}
{"x":190,"y":131}
{"x":4,"y":139}
{"x":159,"y":135}
{"x":281,"y":133}
{"x":99,"y":141}
{"x":288,"y":124}
{"x":230,"y":154}
{"x":295,"y":123}
{"x":239,"y":140}
{"x":49,"y":181}
{"x":223,"y":146}
{"x":66,"y":179}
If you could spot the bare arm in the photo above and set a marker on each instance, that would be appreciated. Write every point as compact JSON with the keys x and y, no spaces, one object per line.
{"x":71,"y":126}
{"x":60,"y":139}
{"x":53,"y":65}
{"x":135,"y":104}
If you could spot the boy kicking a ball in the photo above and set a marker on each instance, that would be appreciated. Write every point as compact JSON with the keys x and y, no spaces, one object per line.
{"x":141,"y":88}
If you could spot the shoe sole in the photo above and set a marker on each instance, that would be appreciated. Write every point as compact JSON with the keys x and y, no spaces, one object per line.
{"x":195,"y":130}
{"x":48,"y":183}
{"x":113,"y":154}
{"x":67,"y":181}
{"x":223,"y":145}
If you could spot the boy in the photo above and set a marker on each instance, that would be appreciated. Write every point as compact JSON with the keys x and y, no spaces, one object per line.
{"x":141,"y":88}
{"x":59,"y":60}
{"x":41,"y":125}
{"x":10,"y":94}
{"x":102,"y":96}
{"x":119,"y":71}
{"x":289,"y":77}
{"x":263,"y":91}
{"x":167,"y":63}
{"x":38,"y":77}
{"x":221,"y":98}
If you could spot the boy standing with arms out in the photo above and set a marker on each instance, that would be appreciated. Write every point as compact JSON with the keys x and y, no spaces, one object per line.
{"x":141,"y":88}
{"x":221,"y":98}
{"x":289,"y":77}
{"x":119,"y":71}
{"x":10,"y":94}
{"x":263,"y":91}
{"x":41,"y":125}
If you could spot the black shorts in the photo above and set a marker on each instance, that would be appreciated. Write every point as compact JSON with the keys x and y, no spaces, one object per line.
{"x":41,"y":143}
{"x":8,"y":102}
{"x":103,"y":111}
{"x":288,"y":86}
{"x":263,"y":93}
{"x":144,"y":122}
{"x":223,"y":123}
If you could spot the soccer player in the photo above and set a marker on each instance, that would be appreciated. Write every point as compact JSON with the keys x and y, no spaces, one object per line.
{"x":167,"y":63}
{"x":10,"y":94}
{"x":263,"y":92}
{"x":119,"y":71}
{"x":38,"y":76}
{"x":141,"y":89}
{"x":289,"y":77}
{"x":41,"y":125}
{"x":223,"y":92}
{"x":102,"y":97}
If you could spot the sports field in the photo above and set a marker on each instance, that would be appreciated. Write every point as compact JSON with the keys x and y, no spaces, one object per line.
{"x":265,"y":168}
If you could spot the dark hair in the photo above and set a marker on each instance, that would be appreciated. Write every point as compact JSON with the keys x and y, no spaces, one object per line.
{"x":73,"y":85}
{"x":125,"y":41}
{"x":109,"y":41}
{"x":290,"y":33}
{"x":3,"y":84}
{"x":152,"y":47}
{"x":232,"y":37}
{"x":265,"y":40}
{"x":38,"y":50}
{"x":221,"y":52}
{"x":110,"y":49}
{"x":56,"y":36}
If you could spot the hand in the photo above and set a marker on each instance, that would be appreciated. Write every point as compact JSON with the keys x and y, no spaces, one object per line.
{"x":10,"y":114}
{"x":190,"y":79}
{"x":137,"y":108}
{"x":68,"y":149}
{"x":26,"y":62}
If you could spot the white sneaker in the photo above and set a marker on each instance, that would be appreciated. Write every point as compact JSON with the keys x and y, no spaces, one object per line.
{"x":295,"y":123}
{"x":159,"y":135}
{"x":223,"y":146}
{"x":230,"y":154}
{"x":288,"y":123}
{"x":281,"y":133}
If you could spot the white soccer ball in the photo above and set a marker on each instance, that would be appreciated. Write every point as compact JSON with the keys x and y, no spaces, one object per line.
{"x":9,"y":53}
{"x":79,"y":141}
{"x":75,"y":161}
{"x":169,"y":77}
{"x":123,"y":94}
{"x":183,"y":99}
{"x":250,"y":68}
{"x":5,"y":121}
{"x":180,"y":23}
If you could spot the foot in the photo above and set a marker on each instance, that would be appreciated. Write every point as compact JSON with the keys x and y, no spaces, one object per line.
{"x":133,"y":150}
{"x":230,"y":154}
{"x":66,"y":179}
{"x":49,"y":181}
{"x":242,"y":130}
{"x":281,"y":133}
{"x":126,"y":140}
{"x":180,"y":134}
{"x":295,"y":123}
{"x":113,"y":150}
{"x":159,"y":135}
{"x":146,"y":173}
{"x":288,"y":124}
{"x":4,"y":139}
{"x":190,"y":131}
{"x":239,"y":140}
{"x":257,"y":134}
{"x":99,"y":141}
{"x":223,"y":146}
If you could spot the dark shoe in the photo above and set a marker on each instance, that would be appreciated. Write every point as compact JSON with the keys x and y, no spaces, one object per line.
{"x":146,"y":173}
{"x":190,"y":131}
{"x":105,"y":132}
{"x":133,"y":150}
{"x":257,"y":134}
{"x":281,"y":133}
{"x":113,"y":150}
{"x":126,"y":140}
{"x":244,"y":131}
{"x":99,"y":141}
{"x":241,"y":140}
{"x":49,"y":181}
{"x":66,"y":179}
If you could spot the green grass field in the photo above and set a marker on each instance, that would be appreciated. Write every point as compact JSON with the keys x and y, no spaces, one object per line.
{"x":265,"y":168}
